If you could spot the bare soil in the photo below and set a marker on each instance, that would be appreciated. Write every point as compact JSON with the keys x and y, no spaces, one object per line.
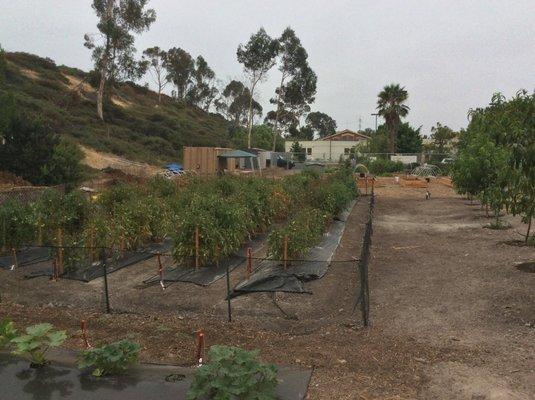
{"x":452,"y":318}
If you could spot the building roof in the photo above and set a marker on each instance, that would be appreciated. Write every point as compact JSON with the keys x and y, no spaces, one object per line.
{"x":346,"y":135}
{"x":237,"y":154}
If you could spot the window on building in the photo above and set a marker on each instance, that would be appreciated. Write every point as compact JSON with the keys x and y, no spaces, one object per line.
{"x":309,"y":151}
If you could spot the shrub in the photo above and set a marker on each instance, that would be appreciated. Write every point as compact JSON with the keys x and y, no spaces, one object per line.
{"x":382,"y":166}
{"x":109,"y":359}
{"x":7,"y":333}
{"x":38,"y":339}
{"x":233,"y":373}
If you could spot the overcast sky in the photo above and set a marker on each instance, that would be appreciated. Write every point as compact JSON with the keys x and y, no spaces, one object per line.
{"x":450,"y":55}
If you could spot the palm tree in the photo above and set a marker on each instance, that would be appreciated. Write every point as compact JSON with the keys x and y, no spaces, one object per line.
{"x":390,"y":106}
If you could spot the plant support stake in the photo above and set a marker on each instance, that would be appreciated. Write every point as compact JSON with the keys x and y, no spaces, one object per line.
{"x":199,"y":355}
{"x":196,"y":247}
{"x":249,"y":262}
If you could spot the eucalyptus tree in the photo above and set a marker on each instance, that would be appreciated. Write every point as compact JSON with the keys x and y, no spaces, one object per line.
{"x":390,"y":105}
{"x":258,"y":56}
{"x":297,"y":86}
{"x":113,"y":47}
{"x":155,"y":59}
{"x":180,"y":68}
{"x":202,"y":91}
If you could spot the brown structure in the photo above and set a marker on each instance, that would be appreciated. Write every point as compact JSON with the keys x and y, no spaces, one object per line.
{"x":204,"y":161}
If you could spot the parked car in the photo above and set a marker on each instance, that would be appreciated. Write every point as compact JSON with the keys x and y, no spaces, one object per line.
{"x":283,"y":163}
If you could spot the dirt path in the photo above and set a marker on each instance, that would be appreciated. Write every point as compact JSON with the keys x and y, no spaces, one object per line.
{"x":440,"y":279}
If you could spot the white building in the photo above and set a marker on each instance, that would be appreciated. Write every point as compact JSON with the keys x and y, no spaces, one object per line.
{"x":332,"y":147}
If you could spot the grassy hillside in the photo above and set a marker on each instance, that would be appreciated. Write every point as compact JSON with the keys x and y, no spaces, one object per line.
{"x":136,"y":126}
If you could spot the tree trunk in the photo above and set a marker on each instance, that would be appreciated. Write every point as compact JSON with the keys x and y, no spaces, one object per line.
{"x":250,"y":119}
{"x":529,"y":229}
{"x":100,"y":94}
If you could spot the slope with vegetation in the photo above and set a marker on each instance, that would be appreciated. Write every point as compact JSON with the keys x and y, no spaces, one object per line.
{"x":136,"y":126}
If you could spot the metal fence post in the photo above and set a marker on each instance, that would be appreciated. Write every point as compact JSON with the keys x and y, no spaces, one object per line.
{"x":228,"y":295}
{"x":103,"y":262}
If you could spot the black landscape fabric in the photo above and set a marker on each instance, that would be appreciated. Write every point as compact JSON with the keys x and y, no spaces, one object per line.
{"x":87,"y":272}
{"x":209,"y":274}
{"x":271,"y":276}
{"x":26,"y":256}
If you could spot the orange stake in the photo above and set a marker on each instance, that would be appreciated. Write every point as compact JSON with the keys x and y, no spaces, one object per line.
{"x":83,"y":326}
{"x":249,"y":261}
{"x":199,"y":355}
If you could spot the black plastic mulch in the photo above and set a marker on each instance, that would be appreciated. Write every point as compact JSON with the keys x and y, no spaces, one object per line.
{"x":62,"y":380}
{"x":271,"y":276}
{"x":26,"y":256}
{"x":88,"y":272}
{"x":209,"y":274}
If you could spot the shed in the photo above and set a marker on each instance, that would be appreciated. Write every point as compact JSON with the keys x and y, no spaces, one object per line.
{"x":204,"y":161}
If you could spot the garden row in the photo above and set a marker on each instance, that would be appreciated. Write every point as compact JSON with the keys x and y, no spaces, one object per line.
{"x":207,"y":219}
{"x":230,"y":371}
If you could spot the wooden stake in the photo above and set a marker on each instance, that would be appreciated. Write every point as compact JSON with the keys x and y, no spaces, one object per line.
{"x":15,"y":261}
{"x":196,"y":247}
{"x":199,"y":355}
{"x":249,"y":261}
{"x":83,"y":326}
{"x":54,"y":276}
{"x":286,"y":251}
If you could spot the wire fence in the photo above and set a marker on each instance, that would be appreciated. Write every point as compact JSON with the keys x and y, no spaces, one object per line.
{"x":256,"y":274}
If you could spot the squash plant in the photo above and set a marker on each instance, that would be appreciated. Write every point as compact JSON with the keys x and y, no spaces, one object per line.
{"x":233,"y":373}
{"x":109,"y":359}
{"x":7,"y":333}
{"x":36,"y":342}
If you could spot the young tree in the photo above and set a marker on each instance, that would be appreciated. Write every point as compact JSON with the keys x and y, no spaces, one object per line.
{"x":298,"y":82}
{"x":390,"y":106}
{"x":202,"y":91}
{"x":180,"y":69}
{"x":442,"y":136}
{"x":114,"y":53}
{"x":155,"y":58}
{"x":322,"y":124}
{"x":64,"y":166}
{"x":257,"y":57}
